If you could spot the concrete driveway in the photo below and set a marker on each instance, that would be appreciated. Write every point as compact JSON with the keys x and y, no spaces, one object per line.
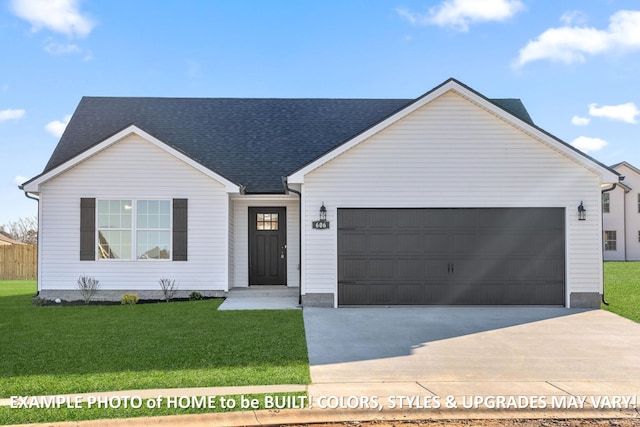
{"x":437,"y":348}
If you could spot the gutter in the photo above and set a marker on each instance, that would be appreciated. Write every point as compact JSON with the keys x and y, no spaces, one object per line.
{"x":285,"y":184}
{"x":613,"y":187}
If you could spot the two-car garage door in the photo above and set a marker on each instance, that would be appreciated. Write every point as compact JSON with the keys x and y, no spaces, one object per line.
{"x":488,"y":256}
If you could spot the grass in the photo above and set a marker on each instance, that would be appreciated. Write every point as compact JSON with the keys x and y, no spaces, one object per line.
{"x":81,"y":349}
{"x":622,"y":289}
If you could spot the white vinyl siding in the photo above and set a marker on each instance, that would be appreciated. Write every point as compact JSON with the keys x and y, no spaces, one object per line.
{"x":240,"y":233}
{"x":453,"y":153}
{"x":625,"y":216}
{"x":615,"y":221}
{"x":137,"y":170}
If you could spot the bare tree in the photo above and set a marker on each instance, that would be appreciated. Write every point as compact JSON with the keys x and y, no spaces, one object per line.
{"x":24,"y":230}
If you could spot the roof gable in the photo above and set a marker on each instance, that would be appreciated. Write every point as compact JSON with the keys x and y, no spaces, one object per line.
{"x":506,"y":109}
{"x":33,"y":184}
{"x":628,"y":165}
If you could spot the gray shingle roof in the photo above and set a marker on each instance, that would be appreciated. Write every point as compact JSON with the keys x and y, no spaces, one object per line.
{"x":251,"y":142}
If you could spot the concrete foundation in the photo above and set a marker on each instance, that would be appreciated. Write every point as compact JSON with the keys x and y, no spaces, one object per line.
{"x":585,"y":299}
{"x":317,"y":300}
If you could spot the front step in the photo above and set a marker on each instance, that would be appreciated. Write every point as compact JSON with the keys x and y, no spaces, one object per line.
{"x":263,"y":291}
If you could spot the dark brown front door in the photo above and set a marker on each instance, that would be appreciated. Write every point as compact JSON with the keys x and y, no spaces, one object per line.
{"x":267,"y":246}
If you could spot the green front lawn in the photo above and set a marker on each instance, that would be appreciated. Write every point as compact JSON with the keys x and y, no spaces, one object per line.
{"x":622,"y":289}
{"x":51,"y":350}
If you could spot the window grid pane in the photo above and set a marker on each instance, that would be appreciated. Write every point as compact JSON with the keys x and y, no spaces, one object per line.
{"x":114,"y":244}
{"x":153,"y":235}
{"x":267,"y":221}
{"x":605,"y":202}
{"x":610,"y":241}
{"x":114,"y":229}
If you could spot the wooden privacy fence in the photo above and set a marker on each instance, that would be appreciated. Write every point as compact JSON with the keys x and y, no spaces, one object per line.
{"x":18,"y":262}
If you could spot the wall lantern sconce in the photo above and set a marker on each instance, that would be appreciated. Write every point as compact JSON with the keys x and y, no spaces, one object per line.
{"x":582,"y":212}
{"x":322,"y":224}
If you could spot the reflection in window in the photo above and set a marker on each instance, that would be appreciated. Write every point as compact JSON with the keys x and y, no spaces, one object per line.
{"x":153,"y":235}
{"x":114,"y":229}
{"x":117,"y":229}
{"x":267,"y":221}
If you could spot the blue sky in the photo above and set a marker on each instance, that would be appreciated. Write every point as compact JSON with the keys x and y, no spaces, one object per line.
{"x":574,"y":63}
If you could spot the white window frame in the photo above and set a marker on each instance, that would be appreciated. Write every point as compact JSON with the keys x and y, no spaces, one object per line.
{"x":606,"y":207}
{"x":134,"y":229}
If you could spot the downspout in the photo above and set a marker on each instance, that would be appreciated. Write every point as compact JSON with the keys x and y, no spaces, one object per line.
{"x":624,"y":223}
{"x":286,"y":186}
{"x":29,"y":196}
{"x":613,"y":187}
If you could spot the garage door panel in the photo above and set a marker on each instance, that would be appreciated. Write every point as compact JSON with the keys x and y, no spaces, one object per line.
{"x":352,"y":242}
{"x":451,"y":256}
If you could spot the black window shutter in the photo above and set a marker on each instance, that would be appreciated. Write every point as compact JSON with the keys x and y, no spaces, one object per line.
{"x":179,"y":229}
{"x":87,"y":229}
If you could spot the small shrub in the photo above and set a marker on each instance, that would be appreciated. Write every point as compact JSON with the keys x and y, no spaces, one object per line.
{"x":195,"y":296}
{"x":88,"y":287}
{"x":129,"y":299}
{"x":169,"y":288}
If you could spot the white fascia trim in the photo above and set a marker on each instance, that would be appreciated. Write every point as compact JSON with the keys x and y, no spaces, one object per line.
{"x":606,"y":176}
{"x":34,"y":186}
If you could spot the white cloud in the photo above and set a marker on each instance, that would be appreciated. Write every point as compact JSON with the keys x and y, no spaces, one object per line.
{"x":587,"y":144}
{"x":580,"y":121}
{"x":61,"y":16}
{"x":57,"y":127}
{"x":573,"y":17}
{"x":459,"y":14}
{"x":55,"y":48}
{"x":624,"y":112}
{"x":572,"y":44}
{"x":19,"y":179}
{"x":11,"y":114}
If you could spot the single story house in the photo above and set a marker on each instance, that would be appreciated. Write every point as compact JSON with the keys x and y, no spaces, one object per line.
{"x":621,"y":216}
{"x":7,"y":240}
{"x":449,"y":198}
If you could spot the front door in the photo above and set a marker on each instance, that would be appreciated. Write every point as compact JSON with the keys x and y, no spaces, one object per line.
{"x":267,"y":246}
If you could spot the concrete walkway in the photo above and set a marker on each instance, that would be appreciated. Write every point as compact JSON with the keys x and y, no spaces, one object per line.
{"x":261,"y":298}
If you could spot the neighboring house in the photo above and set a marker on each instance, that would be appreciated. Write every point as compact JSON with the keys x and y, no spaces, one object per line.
{"x":6,"y":240}
{"x":449,"y":198}
{"x":621,"y":216}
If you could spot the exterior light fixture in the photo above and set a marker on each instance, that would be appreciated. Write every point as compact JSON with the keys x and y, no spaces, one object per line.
{"x":322,"y":224}
{"x":582,"y":212}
